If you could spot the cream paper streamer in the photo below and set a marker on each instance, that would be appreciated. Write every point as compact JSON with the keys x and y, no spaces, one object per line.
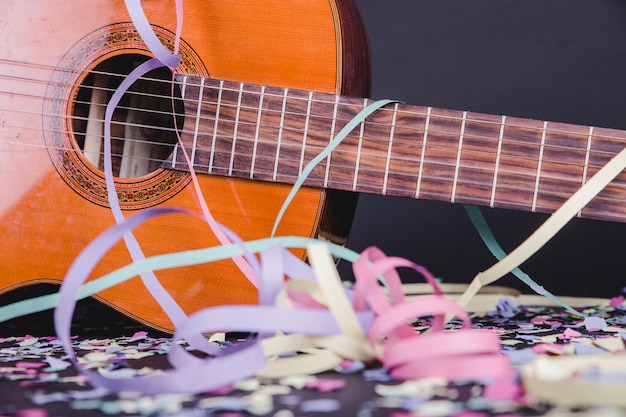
{"x":320,"y":353}
{"x":549,"y":228}
{"x":577,"y":381}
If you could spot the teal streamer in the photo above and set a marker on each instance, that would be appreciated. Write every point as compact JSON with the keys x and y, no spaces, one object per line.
{"x":167,"y":261}
{"x":479,"y":222}
{"x":306,"y":171}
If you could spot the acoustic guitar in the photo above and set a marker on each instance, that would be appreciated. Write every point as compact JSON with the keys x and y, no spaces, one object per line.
{"x":263,"y":87}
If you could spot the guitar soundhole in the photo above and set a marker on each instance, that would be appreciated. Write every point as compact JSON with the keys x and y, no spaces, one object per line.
{"x":143,"y":127}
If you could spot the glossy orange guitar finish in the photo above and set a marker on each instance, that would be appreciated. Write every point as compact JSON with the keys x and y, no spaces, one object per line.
{"x":46,"y":219}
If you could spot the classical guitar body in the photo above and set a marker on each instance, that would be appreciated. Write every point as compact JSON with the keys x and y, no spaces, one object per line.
{"x":54,"y":56}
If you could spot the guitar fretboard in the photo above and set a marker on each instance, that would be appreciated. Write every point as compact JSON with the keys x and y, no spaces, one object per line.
{"x":270,"y":134}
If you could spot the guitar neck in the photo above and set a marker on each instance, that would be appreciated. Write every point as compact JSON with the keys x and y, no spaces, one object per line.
{"x":270,"y":134}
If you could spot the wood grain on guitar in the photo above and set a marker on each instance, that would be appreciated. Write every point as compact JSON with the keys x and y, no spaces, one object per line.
{"x":51,"y":198}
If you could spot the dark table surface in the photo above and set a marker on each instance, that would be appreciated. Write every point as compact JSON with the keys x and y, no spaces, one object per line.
{"x":24,"y":389}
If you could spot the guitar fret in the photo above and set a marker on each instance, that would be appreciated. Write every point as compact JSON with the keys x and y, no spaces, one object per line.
{"x":539,"y":163}
{"x":587,"y":154}
{"x":458,"y":158}
{"x":183,"y":89}
{"x":305,"y":134}
{"x":388,"y":162}
{"x":497,"y":164}
{"x":217,"y":113}
{"x":332,"y":136}
{"x":183,"y":86}
{"x":257,"y":131}
{"x":358,"y":151}
{"x":280,"y":133}
{"x":196,"y":129}
{"x":586,"y":163}
{"x":423,"y":153}
{"x":231,"y":163}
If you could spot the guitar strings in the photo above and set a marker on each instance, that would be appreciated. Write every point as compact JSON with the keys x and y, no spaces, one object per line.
{"x":313,"y":147}
{"x":418,"y":133}
{"x":394,"y":190}
{"x":365,"y":151}
{"x":321,"y":117}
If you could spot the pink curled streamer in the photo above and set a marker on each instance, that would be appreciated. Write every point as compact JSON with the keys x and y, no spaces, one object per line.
{"x":467,"y":353}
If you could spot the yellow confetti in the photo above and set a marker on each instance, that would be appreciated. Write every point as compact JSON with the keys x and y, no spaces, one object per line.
{"x":511,"y":342}
{"x":98,"y":357}
{"x":29,"y":341}
{"x":610,"y":344}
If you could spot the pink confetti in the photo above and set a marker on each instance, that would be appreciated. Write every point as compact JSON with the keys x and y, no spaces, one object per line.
{"x":29,"y":365}
{"x":545,"y":321}
{"x":138,"y":336}
{"x":225,"y":390}
{"x":326,"y":385}
{"x":30,"y":384}
{"x":31,"y":412}
{"x":469,"y":413}
{"x":569,"y":334}
{"x":503,"y":388}
{"x":346,"y":363}
{"x":617,"y":301}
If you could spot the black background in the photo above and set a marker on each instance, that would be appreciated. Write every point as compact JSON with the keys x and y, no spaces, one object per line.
{"x":557,"y":60}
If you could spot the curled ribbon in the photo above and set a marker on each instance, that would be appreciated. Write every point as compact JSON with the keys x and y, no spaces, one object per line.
{"x":318,"y":331}
{"x":312,"y":314}
{"x":461,"y":354}
{"x":191,"y":374}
